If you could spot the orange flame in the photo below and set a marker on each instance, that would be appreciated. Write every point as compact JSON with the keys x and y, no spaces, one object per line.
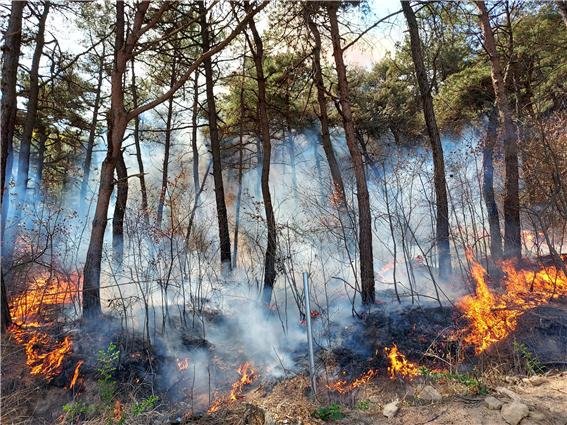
{"x":494,"y":316}
{"x":343,"y":386}
{"x":247,"y":376}
{"x":118,"y":410}
{"x":44,"y":354}
{"x":182,"y":364}
{"x":76,"y":374}
{"x":399,"y":364}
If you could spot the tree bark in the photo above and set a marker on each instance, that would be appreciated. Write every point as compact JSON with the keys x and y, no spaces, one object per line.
{"x":27,"y":132}
{"x":194,"y":121}
{"x":117,"y":122}
{"x":31,"y":115}
{"x":43,"y":136}
{"x":119,"y":210}
{"x":512,"y":225}
{"x":488,"y":186}
{"x":364,"y":217}
{"x":142,"y":177}
{"x":167,"y":147}
{"x":10,"y":59}
{"x":92,"y":135}
{"x":222,"y":216}
{"x":257,"y":49}
{"x":439,"y":181}
{"x":338,"y":185}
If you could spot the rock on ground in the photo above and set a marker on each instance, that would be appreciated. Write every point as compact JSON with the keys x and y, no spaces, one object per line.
{"x":493,"y":403}
{"x":429,"y":393}
{"x":391,"y":409}
{"x":514,"y":412}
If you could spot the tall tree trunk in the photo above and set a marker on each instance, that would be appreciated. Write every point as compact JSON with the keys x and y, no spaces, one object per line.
{"x":512,"y":226}
{"x":222,"y":217}
{"x":10,"y":59}
{"x":117,"y":122}
{"x":194,"y":121}
{"x":43,"y":135}
{"x":119,"y":210}
{"x":142,"y":177}
{"x":257,"y":49}
{"x":87,"y":164}
{"x":167,"y":147}
{"x":240,"y":169}
{"x":439,"y":181}
{"x":290,"y":142}
{"x":364,"y":218}
{"x":488,"y":186}
{"x":338,"y":185}
{"x":238,"y":204}
{"x":25,"y":143}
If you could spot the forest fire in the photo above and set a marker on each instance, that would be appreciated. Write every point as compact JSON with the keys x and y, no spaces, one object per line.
{"x":247,"y":376}
{"x":494,"y":316}
{"x":44,"y":354}
{"x":399,"y":365}
{"x":182,"y":364}
{"x":343,"y":386}
{"x":76,"y":374}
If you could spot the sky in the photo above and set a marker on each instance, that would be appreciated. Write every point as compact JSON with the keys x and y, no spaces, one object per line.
{"x":377,"y":42}
{"x":367,"y":51}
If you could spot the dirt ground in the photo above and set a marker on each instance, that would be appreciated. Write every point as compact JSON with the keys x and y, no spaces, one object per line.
{"x":29,"y":400}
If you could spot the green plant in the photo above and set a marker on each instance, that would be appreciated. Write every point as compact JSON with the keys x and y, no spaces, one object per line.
{"x":331,"y":412}
{"x":469,"y":381}
{"x":363,"y":405}
{"x":74,"y":409}
{"x":145,"y":405}
{"x":107,"y":364}
{"x":529,"y":361}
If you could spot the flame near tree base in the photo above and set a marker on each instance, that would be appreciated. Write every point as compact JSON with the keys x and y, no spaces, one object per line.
{"x":493,"y":316}
{"x":44,"y":353}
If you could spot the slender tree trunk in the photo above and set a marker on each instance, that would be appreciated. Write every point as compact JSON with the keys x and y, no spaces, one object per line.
{"x":338,"y":185}
{"x":31,"y":115}
{"x":364,"y":217}
{"x":137,"y":132}
{"x":257,"y":49}
{"x":512,"y":225}
{"x":25,"y":143}
{"x":488,"y":186}
{"x":194,"y":121}
{"x":40,"y":159}
{"x":240,"y":170}
{"x":167,"y":149}
{"x":439,"y":181}
{"x":117,"y":122}
{"x":238,"y":204}
{"x":92,"y":135}
{"x":119,"y":210}
{"x":292,"y":162}
{"x":222,"y":216}
{"x":10,"y":59}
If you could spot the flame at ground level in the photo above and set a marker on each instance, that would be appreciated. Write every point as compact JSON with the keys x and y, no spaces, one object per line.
{"x":44,"y":354}
{"x":343,"y":386}
{"x":76,"y":374}
{"x":247,"y":376}
{"x":399,"y":364}
{"x":494,"y":316}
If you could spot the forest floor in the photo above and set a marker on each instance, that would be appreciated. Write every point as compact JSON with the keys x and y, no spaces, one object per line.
{"x":541,"y":399}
